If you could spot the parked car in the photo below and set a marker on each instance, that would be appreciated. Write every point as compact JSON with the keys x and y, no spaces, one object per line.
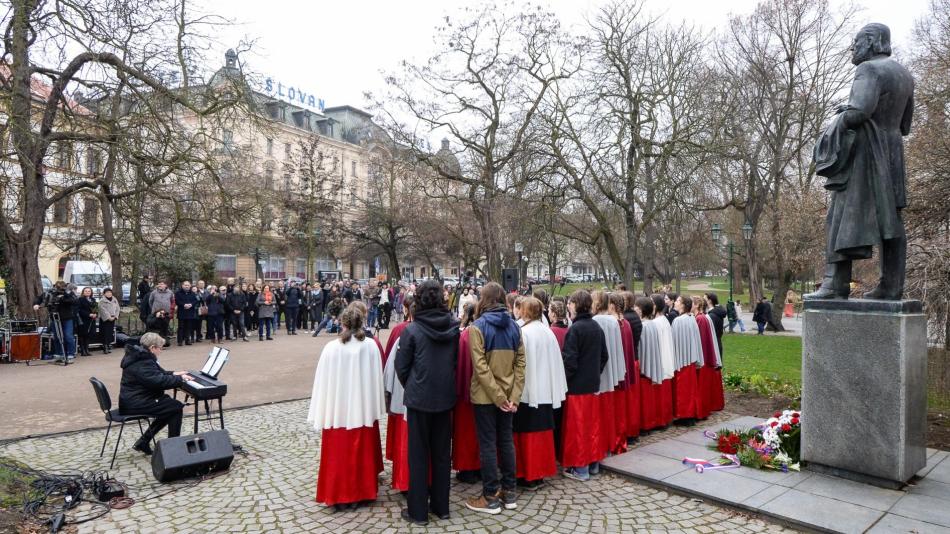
{"x":85,"y":274}
{"x":126,"y":293}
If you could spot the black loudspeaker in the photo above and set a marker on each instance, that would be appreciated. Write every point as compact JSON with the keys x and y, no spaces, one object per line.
{"x":189,"y":456}
{"x":509,"y":279}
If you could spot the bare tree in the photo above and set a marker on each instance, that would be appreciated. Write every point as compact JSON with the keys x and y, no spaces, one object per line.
{"x":483,"y":90}
{"x":116,"y":53}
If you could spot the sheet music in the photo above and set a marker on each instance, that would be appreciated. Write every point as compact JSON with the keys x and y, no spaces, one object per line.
{"x":209,"y":363}
{"x":219,"y":362}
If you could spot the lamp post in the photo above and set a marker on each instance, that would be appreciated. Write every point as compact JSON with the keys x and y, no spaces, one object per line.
{"x":519,"y":248}
{"x":717,"y":234}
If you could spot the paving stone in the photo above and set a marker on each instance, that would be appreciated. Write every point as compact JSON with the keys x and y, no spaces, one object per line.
{"x":849,"y":491}
{"x":718,"y":484}
{"x":932,"y":488}
{"x":895,"y":523}
{"x":924,"y":508}
{"x":825,"y":512}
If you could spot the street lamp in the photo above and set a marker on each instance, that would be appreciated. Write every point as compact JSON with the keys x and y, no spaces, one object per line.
{"x":519,"y":248}
{"x":717,"y":234}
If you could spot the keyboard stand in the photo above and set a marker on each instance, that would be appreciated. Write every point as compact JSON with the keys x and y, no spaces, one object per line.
{"x":208,"y":416}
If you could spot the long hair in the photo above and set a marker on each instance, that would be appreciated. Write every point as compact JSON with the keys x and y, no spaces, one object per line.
{"x":352,"y":321}
{"x":492,"y":295}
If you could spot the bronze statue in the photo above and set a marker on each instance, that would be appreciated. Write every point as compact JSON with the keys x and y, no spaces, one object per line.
{"x":861,"y":155}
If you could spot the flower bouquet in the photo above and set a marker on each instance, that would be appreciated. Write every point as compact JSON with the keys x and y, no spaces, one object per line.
{"x":774,"y":444}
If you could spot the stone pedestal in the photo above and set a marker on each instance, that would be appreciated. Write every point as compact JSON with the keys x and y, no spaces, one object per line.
{"x":864,"y":389}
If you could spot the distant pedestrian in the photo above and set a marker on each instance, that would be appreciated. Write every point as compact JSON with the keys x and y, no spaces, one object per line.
{"x":762,"y":314}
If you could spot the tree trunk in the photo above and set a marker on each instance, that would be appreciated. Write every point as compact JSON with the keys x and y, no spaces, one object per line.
{"x":21,"y":255}
{"x":393,"y":260}
{"x":783,"y":284}
{"x":649,"y":258}
{"x":755,"y":288}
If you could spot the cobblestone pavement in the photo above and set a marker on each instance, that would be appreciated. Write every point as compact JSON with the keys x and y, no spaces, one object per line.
{"x":272,"y":488}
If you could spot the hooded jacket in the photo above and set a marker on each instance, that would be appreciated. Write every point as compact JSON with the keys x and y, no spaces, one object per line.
{"x":498,"y":358}
{"x":426,"y":359}
{"x":143,"y":381}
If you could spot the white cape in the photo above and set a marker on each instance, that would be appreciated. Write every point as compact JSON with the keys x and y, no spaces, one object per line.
{"x":616,"y":367}
{"x":545,"y":381}
{"x":348,"y":386}
{"x":664,"y":332}
{"x":393,"y":385}
{"x":687,"y":345}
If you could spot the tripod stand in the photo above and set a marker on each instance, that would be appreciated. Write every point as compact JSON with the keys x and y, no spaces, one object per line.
{"x":56,"y":323}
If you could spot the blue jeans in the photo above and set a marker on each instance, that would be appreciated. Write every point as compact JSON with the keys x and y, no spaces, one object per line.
{"x":261,"y":321}
{"x":70,"y":341}
{"x":761,"y":327}
{"x":371,"y":319}
{"x":588,"y":470}
{"x":325,"y":323}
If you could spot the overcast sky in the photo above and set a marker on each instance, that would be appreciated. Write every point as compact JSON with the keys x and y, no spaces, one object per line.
{"x":336,"y":49}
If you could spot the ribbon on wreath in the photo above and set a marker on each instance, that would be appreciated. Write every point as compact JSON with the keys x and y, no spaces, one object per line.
{"x":703,"y":465}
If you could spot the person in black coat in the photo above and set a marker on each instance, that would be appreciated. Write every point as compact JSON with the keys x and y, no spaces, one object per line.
{"x":316,"y":307}
{"x":425,"y":365}
{"x":60,"y":301}
{"x":292,"y":299}
{"x":186,"y":304}
{"x":142,"y":390}
{"x":215,"y":303}
{"x":632,"y":317}
{"x":86,"y":314}
{"x":585,"y":342}
{"x":669,"y":311}
{"x":144,"y":290}
{"x":237,"y":301}
{"x":762,"y":314}
{"x":717,"y":314}
{"x":279,"y":295}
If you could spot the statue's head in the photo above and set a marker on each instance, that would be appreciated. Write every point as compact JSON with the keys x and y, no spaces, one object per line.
{"x":872,"y":40}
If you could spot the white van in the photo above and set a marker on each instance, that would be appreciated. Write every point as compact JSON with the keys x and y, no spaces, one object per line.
{"x":85,"y":274}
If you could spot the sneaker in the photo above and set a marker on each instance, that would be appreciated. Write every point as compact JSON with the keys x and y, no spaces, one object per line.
{"x":530,"y":485}
{"x":594,"y":469}
{"x":508,"y":498}
{"x":574,"y":475}
{"x":488,"y":505}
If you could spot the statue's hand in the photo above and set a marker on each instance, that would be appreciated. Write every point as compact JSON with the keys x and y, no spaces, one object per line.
{"x":841,"y":108}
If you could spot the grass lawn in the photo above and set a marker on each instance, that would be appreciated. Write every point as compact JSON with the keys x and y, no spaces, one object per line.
{"x":776,"y":357}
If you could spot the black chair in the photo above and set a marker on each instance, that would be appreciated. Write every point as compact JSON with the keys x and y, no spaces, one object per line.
{"x":113,"y":416}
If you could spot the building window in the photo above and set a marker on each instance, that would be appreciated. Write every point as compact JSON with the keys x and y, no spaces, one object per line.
{"x":286,"y":183}
{"x":268,"y":179}
{"x":270,"y":146}
{"x":353,"y":168}
{"x":93,"y":161}
{"x":323,"y":264}
{"x":65,"y":156}
{"x":225,"y":266}
{"x":302,"y":268}
{"x":274,"y":268}
{"x":287,"y":149}
{"x":61,"y":211}
{"x":90,"y":212}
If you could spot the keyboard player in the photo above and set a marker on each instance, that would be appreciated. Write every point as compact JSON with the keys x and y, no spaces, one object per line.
{"x":142,"y":391}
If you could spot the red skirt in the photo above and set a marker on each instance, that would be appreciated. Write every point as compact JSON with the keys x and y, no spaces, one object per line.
{"x":686,"y":397}
{"x":581,"y":442}
{"x":710,"y":387}
{"x":632,"y":400}
{"x":656,"y":404}
{"x":399,"y":430}
{"x":608,"y":421}
{"x":534,"y":454}
{"x":464,"y":439}
{"x":350,"y":462}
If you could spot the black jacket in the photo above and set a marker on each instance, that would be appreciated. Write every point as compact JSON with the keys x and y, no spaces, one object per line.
{"x":293,"y":295}
{"x":585,"y":355}
{"x":426,"y":360}
{"x":144,"y":290}
{"x":66,"y":306}
{"x":637,"y":326}
{"x":237,"y":302}
{"x":762,"y":313}
{"x":183,"y":297}
{"x":280,"y":297}
{"x":672,"y":314}
{"x":251,"y":298}
{"x":215,"y":303}
{"x":316,"y":300}
{"x":718,"y":316}
{"x":84,"y":308}
{"x":143,"y":381}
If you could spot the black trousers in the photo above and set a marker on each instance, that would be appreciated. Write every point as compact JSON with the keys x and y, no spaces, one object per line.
{"x":167,"y":411}
{"x":385,"y":314}
{"x":291,"y":318}
{"x":430,"y":436}
{"x":107,"y":332}
{"x":496,"y":447}
{"x":184,"y":329}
